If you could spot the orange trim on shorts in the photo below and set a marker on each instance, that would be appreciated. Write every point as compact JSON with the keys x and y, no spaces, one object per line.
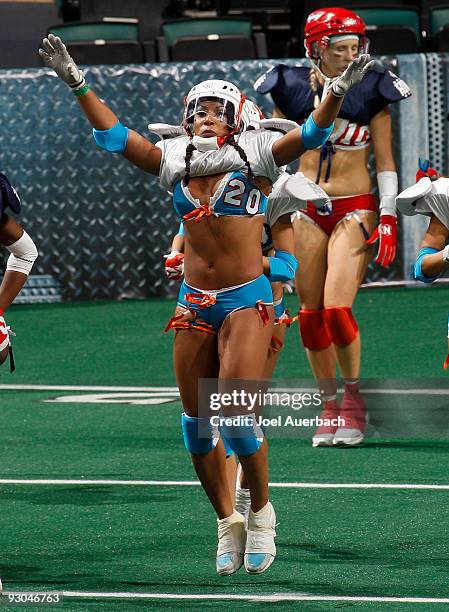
{"x":202,"y":300}
{"x":262,"y":309}
{"x":175,"y":323}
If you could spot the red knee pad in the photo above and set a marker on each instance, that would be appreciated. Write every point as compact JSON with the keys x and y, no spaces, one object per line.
{"x":341,"y":324}
{"x":314,"y":333}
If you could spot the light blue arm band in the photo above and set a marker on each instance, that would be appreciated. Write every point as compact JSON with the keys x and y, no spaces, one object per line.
{"x":418,"y":274}
{"x":282,"y":266}
{"x":314,"y":136}
{"x":113,"y":140}
{"x":181,"y":231}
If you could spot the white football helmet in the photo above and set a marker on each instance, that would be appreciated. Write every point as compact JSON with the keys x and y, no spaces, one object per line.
{"x":225,"y":92}
{"x":251,"y":116}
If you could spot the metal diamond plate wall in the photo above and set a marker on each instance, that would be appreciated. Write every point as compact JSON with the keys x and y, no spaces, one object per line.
{"x":100,"y":224}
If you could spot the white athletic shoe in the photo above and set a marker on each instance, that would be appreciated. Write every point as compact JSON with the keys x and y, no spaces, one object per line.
{"x":242,"y":496}
{"x":231,"y":543}
{"x":260,"y":549}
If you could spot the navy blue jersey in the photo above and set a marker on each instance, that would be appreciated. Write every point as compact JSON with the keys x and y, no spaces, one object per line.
{"x":291,"y":92}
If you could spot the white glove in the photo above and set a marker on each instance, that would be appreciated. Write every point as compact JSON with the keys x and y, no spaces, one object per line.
{"x":353,"y":74}
{"x":55,"y":55}
{"x":174,"y":265}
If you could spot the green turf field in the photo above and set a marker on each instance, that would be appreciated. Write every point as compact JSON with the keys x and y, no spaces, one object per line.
{"x":99,"y":500}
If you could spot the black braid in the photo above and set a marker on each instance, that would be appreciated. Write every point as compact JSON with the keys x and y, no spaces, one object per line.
{"x":242,"y":154}
{"x":189,"y":151}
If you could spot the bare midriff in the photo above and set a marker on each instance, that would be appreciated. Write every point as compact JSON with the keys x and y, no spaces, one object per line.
{"x":349,"y":172}
{"x":221,"y":251}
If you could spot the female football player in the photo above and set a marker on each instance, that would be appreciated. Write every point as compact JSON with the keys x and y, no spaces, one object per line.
{"x":23,"y":254}
{"x":430,"y":197}
{"x":331,"y":241}
{"x":225,"y":307}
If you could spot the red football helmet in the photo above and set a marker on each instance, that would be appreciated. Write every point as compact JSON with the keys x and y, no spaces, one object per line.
{"x":326,"y":22}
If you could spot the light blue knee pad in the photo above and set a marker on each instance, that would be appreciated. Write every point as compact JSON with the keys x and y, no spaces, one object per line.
{"x":244,"y":439}
{"x":200,"y":437}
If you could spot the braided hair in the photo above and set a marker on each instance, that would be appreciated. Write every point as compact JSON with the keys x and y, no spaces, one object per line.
{"x":189,"y":151}
{"x":242,"y":154}
{"x":313,"y":80}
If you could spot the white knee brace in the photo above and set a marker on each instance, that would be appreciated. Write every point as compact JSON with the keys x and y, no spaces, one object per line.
{"x":23,"y":255}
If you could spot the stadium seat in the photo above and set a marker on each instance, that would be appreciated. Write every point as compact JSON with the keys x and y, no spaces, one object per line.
{"x":106,"y":52}
{"x":391,"y":40}
{"x":441,"y":40}
{"x":192,"y":48}
{"x":83,"y":31}
{"x":278,"y":20}
{"x":148,"y":12}
{"x":190,"y":39}
{"x":179,"y":28}
{"x":104,"y":42}
{"x":385,"y":15}
{"x":439,"y":17}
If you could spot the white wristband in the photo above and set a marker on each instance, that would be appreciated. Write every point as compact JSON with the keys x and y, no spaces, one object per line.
{"x":387,"y":182}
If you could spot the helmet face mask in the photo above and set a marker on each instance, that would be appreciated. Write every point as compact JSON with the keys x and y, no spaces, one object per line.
{"x":228,"y":110}
{"x":222,"y":111}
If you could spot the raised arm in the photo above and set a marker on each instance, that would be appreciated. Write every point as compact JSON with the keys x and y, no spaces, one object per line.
{"x":319,"y":125}
{"x":108,"y":132}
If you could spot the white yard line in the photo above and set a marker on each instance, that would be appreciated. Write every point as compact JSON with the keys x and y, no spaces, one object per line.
{"x":172,"y":390}
{"x":195,"y":483}
{"x":260,"y":597}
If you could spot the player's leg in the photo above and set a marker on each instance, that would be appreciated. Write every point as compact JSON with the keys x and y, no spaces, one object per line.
{"x":279,"y":329}
{"x":23,"y":253}
{"x":347,"y":264}
{"x":243,"y":345}
{"x":311,"y":245}
{"x":242,"y":492}
{"x":195,"y":357}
